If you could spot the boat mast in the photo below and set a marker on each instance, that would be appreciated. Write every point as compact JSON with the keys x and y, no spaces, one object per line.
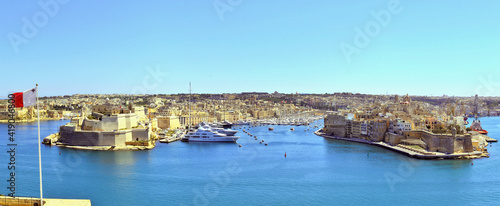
{"x":189,"y":127}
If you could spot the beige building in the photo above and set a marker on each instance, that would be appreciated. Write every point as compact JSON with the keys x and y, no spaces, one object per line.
{"x":377,"y":129}
{"x":335,"y":125}
{"x":104,"y":130}
{"x":170,"y":122}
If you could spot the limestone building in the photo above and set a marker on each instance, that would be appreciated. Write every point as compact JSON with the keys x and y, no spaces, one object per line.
{"x":104,"y":130}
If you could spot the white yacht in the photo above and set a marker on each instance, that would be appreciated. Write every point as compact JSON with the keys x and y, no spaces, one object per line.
{"x":228,"y":132}
{"x":205,"y":134}
{"x":226,"y":124}
{"x":213,"y":124}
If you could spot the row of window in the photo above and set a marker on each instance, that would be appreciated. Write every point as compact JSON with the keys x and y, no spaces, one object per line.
{"x":199,"y":136}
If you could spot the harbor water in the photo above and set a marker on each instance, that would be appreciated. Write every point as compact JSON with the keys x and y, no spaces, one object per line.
{"x":315,"y":171}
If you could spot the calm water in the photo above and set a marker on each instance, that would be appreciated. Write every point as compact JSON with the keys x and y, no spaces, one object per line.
{"x":315,"y":172}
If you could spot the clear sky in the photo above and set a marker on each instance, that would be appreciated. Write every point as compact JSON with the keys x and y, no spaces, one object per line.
{"x":229,"y":46}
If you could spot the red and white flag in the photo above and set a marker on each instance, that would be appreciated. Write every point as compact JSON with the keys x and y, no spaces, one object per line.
{"x":26,"y":98}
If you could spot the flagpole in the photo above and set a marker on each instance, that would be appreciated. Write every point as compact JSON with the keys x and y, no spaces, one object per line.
{"x":39,"y":147}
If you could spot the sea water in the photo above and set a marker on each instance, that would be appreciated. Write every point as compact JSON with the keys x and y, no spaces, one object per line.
{"x":315,"y":171}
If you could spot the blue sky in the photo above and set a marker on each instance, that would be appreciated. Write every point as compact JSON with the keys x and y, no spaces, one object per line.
{"x":425,"y":48}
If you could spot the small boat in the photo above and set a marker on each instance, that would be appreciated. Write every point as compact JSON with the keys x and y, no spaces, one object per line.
{"x":226,"y":124}
{"x":271,"y":129}
{"x":166,"y":140}
{"x":292,"y":129}
{"x":476,"y":126}
{"x":482,"y":131}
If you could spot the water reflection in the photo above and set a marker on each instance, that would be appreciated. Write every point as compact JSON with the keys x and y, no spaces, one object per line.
{"x":119,"y":158}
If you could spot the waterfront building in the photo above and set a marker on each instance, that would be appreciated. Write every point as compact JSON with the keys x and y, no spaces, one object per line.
{"x":104,"y":130}
{"x":377,"y":129}
{"x":348,"y":128}
{"x":364,"y":128}
{"x":170,"y":122}
{"x":356,"y":129}
{"x":335,"y":125}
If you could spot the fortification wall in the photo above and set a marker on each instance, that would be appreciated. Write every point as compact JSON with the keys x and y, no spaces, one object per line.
{"x":140,"y":134}
{"x":72,"y":137}
{"x":393,"y":139}
{"x":78,"y":138}
{"x":337,"y":131}
{"x":446,"y":143}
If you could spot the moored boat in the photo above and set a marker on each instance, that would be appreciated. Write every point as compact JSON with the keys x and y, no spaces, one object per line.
{"x":476,"y":126}
{"x":205,"y":134}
